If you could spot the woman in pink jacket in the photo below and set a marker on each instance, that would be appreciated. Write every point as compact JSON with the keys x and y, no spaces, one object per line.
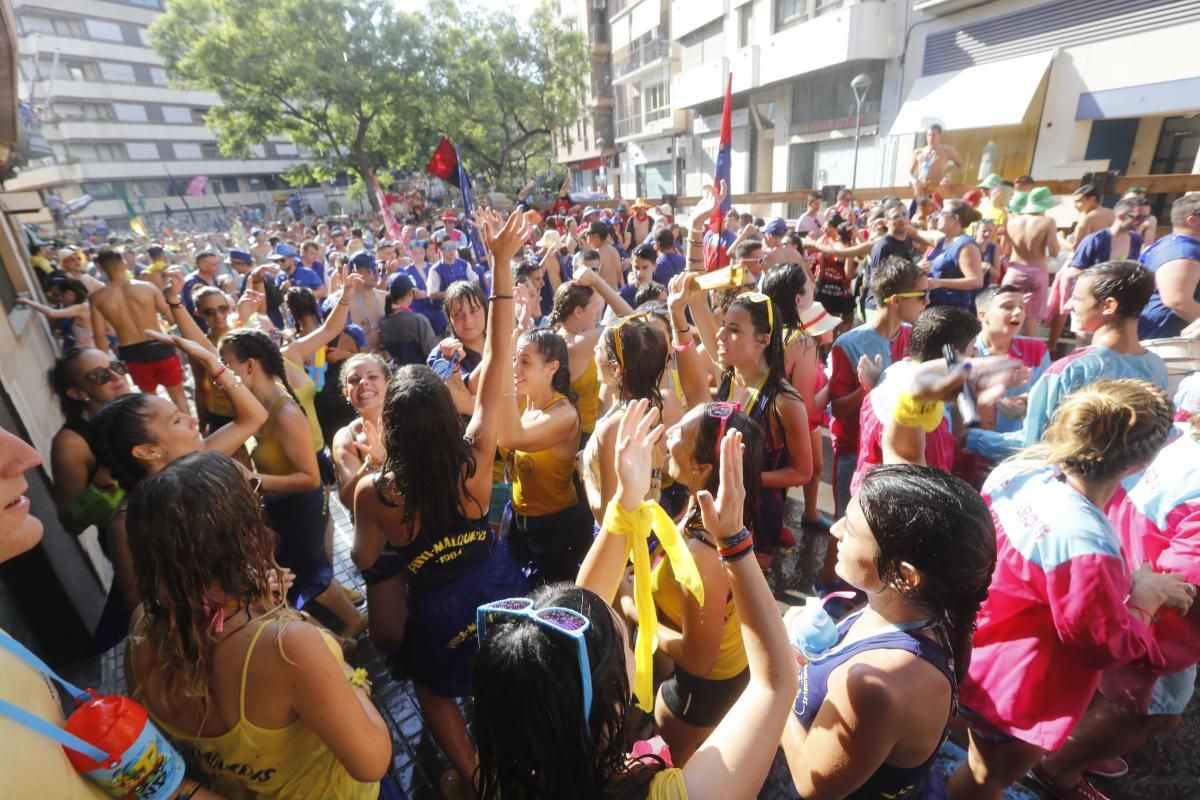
{"x":1063,"y":606}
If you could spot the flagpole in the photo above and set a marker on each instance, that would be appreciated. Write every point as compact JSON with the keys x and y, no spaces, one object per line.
{"x":181,"y":197}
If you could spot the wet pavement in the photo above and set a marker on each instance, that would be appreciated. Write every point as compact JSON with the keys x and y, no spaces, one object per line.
{"x":1165,"y":769}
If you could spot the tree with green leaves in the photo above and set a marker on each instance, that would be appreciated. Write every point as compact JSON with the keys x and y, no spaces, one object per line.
{"x":340,"y":78}
{"x":504,"y":87}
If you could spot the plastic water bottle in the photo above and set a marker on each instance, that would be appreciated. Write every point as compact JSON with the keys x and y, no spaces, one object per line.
{"x":143,"y":764}
{"x":812,"y":631}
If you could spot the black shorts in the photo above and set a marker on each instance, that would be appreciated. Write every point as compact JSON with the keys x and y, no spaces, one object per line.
{"x":700,"y":702}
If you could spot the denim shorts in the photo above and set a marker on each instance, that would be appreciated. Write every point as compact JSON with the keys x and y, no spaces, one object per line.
{"x":1173,"y":692}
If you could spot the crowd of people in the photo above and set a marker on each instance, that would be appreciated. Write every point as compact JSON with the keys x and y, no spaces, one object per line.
{"x":567,"y":462}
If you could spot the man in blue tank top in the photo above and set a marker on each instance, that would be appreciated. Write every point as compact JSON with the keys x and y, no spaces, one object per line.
{"x":1175,"y":262}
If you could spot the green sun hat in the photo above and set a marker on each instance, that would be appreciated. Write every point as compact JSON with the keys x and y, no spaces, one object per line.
{"x":990,"y":182}
{"x":1017,"y":202}
{"x":1039,"y":200}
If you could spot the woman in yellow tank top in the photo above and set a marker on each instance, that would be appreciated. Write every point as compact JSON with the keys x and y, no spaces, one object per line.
{"x":259,"y":699}
{"x":546,"y":526}
{"x":578,"y":306}
{"x":531,"y":674}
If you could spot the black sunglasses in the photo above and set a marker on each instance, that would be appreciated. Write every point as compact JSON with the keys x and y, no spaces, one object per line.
{"x":102,"y":375}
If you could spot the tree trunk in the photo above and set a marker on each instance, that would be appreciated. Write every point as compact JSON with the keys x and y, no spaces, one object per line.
{"x":363,"y":168}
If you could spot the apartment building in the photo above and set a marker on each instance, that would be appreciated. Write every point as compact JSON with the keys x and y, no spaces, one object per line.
{"x":112,"y":125}
{"x":588,"y":148}
{"x":1055,"y":89}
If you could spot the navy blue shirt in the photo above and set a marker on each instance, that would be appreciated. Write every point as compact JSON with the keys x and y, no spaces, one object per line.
{"x":668,"y":266}
{"x":1096,"y":248}
{"x":301,"y":276}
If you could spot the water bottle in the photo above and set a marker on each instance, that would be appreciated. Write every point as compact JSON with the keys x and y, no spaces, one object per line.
{"x":812,"y":631}
{"x":142,"y":763}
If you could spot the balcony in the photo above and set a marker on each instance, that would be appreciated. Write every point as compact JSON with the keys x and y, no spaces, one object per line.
{"x":628,"y":127}
{"x":654,"y":122}
{"x":645,"y":55}
{"x":939,"y":8}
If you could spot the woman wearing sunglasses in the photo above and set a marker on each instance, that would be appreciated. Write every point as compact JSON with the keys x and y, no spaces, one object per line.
{"x":543,"y":732}
{"x":260,"y":696}
{"x":748,"y":348}
{"x":420,"y":521}
{"x":213,"y":409}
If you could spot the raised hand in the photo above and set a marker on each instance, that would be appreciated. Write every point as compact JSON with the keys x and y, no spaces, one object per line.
{"x":637,"y":435}
{"x":370,"y":442}
{"x":723,"y":516}
{"x":197,"y":351}
{"x":869,"y":371}
{"x":679,"y":291}
{"x":711,"y":198}
{"x":504,"y":242}
{"x":172,"y":282}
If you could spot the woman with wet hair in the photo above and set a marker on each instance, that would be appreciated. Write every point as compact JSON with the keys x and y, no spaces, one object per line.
{"x":1063,"y":605}
{"x":546,"y":524}
{"x":420,"y":520}
{"x":459,"y":354}
{"x":258,"y":697}
{"x":555,"y":678}
{"x":748,"y":349}
{"x":324,"y":365}
{"x":71,"y":315}
{"x":920,"y":543}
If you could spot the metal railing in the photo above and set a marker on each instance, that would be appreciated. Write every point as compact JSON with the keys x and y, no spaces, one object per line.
{"x":630,"y":126}
{"x":640,"y":56}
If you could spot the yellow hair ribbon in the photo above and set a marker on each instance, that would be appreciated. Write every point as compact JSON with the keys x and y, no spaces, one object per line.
{"x":635,"y":526}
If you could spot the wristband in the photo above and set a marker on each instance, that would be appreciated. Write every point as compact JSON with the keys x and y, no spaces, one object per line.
{"x":736,"y":554}
{"x":682,"y":348}
{"x":734,"y":540}
{"x":925,"y":414}
{"x":220,"y":372}
{"x":174,"y":305}
{"x":502,"y":297}
{"x":1149,"y":616}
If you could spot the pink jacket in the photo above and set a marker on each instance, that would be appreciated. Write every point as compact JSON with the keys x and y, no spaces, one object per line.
{"x":1055,"y":617}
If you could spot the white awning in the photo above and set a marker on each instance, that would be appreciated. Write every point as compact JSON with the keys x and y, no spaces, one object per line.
{"x":983,"y":96}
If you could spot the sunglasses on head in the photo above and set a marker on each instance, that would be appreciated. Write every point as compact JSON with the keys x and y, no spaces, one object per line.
{"x":618,"y":349}
{"x":213,"y":311}
{"x":102,"y":375}
{"x":555,"y":618}
{"x":759,"y":297}
{"x":721,"y":411}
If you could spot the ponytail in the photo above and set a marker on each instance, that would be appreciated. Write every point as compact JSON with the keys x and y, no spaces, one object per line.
{"x":114,"y":431}
{"x":251,"y":343}
{"x":552,"y":347}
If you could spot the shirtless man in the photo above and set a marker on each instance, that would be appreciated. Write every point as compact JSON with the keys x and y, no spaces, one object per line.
{"x":597,"y":238}
{"x":1034,"y":240}
{"x":261,"y":247}
{"x":1093,"y":217}
{"x":1147,"y":225}
{"x":931,"y":164}
{"x":133,"y":307}
{"x":777,"y":251}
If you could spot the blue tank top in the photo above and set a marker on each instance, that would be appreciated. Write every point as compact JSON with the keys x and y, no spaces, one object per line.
{"x":1157,"y":321}
{"x":435,"y":560}
{"x":911,"y":783}
{"x":945,"y":265}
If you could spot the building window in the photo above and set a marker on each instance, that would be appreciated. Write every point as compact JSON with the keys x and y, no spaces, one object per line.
{"x":130,"y":112}
{"x":825,"y":6}
{"x":209,"y":150}
{"x":54,"y":26}
{"x":744,"y":27}
{"x":104,"y":31}
{"x":789,"y":13}
{"x":101,"y":190}
{"x":229,"y":185}
{"x":654,"y":179}
{"x":101,"y":151}
{"x":187,"y":150}
{"x":703,"y":45}
{"x":177,"y":115}
{"x":142,"y":151}
{"x":656,"y":103}
{"x":94,"y":112}
{"x":283,"y":149}
{"x":158,"y":76}
{"x":114,"y":72}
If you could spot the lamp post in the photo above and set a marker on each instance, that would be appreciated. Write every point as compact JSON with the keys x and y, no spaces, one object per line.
{"x":602,"y":143}
{"x":860,"y":84}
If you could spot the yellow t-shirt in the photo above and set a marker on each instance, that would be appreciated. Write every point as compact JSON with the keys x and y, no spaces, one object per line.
{"x":32,"y":765}
{"x":668,"y":785}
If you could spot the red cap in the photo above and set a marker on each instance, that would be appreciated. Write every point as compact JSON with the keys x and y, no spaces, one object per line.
{"x":449,"y":215}
{"x":973,"y":197}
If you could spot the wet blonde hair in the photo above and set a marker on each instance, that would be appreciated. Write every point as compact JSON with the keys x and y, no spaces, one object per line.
{"x":1105,"y":428}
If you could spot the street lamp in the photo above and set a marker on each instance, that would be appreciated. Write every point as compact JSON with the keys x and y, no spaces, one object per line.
{"x":860,"y":84}
{"x":602,"y":143}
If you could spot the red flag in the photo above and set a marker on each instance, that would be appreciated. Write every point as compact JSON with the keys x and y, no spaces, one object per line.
{"x":389,"y":219}
{"x":444,"y":163}
{"x":714,"y":244}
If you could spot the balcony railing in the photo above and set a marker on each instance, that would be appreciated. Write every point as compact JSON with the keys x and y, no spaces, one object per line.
{"x":659,"y":113}
{"x":638,"y":57}
{"x":629,"y":127}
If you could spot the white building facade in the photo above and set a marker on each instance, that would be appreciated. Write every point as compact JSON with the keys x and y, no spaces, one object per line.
{"x":111,"y":124}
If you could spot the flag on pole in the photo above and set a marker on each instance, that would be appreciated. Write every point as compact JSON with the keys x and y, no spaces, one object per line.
{"x":394,"y":230}
{"x":444,"y":163}
{"x":464,"y":184}
{"x":135,"y":222}
{"x":196,"y":187}
{"x":715,"y":246}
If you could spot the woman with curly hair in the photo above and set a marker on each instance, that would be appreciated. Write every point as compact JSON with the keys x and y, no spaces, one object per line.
{"x":259,"y":699}
{"x":1063,"y":606}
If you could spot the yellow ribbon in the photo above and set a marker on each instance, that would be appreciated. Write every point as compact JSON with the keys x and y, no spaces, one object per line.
{"x":925,"y":414}
{"x":635,"y":526}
